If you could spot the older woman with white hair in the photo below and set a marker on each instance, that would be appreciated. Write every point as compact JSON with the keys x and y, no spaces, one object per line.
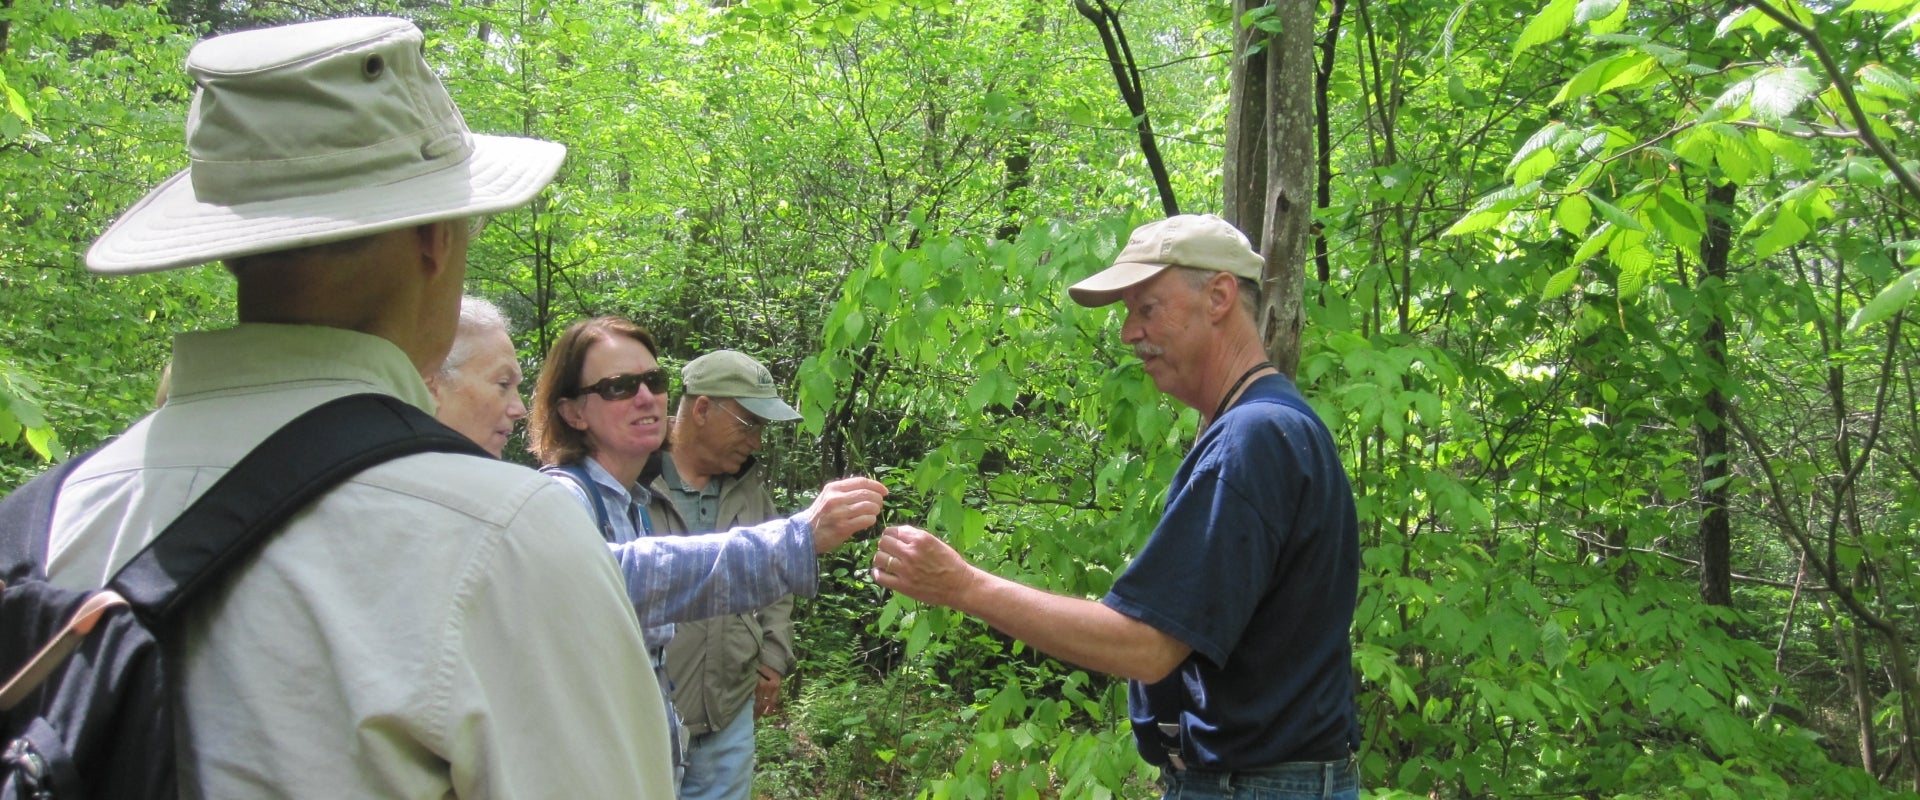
{"x":477,"y":387}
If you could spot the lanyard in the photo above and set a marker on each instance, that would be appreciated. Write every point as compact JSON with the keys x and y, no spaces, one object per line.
{"x":1224,"y":401}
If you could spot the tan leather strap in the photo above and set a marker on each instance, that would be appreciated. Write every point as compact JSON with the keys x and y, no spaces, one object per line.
{"x":49,"y":658}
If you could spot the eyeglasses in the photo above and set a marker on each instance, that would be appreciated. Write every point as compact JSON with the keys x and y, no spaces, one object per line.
{"x":477,"y":223}
{"x":621,"y":387}
{"x":758,"y":426}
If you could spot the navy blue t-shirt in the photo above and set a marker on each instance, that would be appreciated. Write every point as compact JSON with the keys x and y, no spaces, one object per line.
{"x":1256,"y":566}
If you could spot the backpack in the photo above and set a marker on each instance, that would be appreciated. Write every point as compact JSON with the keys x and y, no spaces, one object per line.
{"x":87,"y":709}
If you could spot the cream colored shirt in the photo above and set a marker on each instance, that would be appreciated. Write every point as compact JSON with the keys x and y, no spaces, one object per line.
{"x":439,"y":626}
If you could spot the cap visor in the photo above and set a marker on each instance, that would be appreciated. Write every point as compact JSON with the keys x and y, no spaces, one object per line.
{"x":171,"y":228}
{"x":771,"y":409}
{"x":1104,"y":287}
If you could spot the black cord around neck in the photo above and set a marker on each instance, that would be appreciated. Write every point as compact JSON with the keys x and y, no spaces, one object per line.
{"x":1248,"y":375}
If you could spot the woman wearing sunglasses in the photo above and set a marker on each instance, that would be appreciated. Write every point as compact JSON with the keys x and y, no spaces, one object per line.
{"x":599,"y":415}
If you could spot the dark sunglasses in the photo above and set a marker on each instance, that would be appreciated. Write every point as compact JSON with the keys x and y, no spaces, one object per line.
{"x":621,"y":387}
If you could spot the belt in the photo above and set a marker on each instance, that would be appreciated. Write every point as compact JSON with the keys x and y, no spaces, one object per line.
{"x":1340,"y":777}
{"x":1333,"y":750}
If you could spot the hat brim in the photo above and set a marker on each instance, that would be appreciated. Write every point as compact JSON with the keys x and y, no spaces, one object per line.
{"x":1104,"y":287}
{"x":771,"y":409}
{"x":170,"y":227}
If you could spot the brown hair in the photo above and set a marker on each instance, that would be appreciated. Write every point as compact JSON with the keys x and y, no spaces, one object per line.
{"x":554,"y":441}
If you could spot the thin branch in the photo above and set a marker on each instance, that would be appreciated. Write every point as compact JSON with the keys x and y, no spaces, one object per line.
{"x":1603,"y":545}
{"x":1845,"y":88}
{"x":1126,"y":76}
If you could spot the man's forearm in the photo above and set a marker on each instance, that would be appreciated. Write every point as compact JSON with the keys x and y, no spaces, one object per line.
{"x":1071,"y":629}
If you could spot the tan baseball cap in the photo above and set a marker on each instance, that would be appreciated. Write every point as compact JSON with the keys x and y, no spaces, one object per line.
{"x":1200,"y":241}
{"x":731,"y":373}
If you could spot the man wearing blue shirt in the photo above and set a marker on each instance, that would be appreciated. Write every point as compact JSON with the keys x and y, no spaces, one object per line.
{"x":1233,"y":623}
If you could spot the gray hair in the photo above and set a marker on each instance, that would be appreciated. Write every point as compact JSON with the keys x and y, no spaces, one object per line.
{"x":478,"y":317}
{"x":1249,"y":288}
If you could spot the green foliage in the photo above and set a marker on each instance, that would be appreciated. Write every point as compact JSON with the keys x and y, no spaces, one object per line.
{"x":867,"y":738}
{"x":1015,"y":390}
{"x":1888,"y":302}
{"x":21,"y":418}
{"x":884,"y":200}
{"x":82,"y":354}
{"x":1753,"y":106}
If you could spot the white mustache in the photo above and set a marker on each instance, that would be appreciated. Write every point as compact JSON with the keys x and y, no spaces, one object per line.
{"x":1144,"y":351}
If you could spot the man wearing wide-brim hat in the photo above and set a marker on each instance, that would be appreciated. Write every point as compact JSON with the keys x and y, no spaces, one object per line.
{"x":1233,"y":623}
{"x":417,"y":631}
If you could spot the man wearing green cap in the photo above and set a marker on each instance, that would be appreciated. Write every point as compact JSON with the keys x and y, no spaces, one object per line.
{"x":725,"y":670}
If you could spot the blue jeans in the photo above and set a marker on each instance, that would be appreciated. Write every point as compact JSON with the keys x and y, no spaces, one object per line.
{"x":1294,"y":780}
{"x":720,"y":764}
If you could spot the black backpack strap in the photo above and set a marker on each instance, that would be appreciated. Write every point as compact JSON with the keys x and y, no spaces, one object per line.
{"x":314,"y":453}
{"x":26,"y":517}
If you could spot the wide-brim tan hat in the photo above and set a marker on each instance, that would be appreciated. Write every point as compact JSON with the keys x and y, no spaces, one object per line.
{"x":319,"y":132}
{"x":1199,"y":241}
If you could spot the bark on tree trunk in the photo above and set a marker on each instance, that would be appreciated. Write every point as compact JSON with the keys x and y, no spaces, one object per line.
{"x":1716,"y":537}
{"x":1018,"y":162}
{"x":1126,"y":76}
{"x":1018,"y":158}
{"x":1323,"y":199}
{"x":1269,"y":168}
{"x":1243,"y":173}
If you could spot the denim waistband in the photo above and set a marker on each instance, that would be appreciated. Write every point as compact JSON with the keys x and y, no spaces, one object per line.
{"x":1297,"y":776}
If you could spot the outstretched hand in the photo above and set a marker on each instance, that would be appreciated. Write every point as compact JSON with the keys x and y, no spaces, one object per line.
{"x":845,"y":507}
{"x":917,"y":564}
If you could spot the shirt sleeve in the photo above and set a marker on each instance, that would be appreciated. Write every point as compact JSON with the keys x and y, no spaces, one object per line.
{"x":1213,"y":555}
{"x":687,"y":578}
{"x":550,"y":692}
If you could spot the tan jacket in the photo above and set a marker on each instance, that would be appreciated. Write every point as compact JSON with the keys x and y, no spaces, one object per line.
{"x":714,"y":663}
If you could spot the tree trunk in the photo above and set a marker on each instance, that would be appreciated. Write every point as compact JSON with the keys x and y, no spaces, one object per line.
{"x":1269,"y":166}
{"x":1018,"y":162}
{"x":1243,"y":174}
{"x":1716,"y":538}
{"x":1126,"y":76}
{"x":1323,"y":200}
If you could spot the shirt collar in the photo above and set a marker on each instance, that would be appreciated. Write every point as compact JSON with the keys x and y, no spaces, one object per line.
{"x":671,"y":475}
{"x":605,"y":480}
{"x":257,"y":356}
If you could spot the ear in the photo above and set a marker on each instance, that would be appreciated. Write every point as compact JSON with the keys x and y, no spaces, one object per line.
{"x":433,"y":385}
{"x":1223,"y":295}
{"x":435,"y":241}
{"x":570,"y":413}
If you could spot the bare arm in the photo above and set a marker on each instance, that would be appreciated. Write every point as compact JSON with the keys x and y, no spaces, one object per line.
{"x":921,"y":566}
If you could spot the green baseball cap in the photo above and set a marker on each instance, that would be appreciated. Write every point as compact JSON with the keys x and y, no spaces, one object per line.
{"x":731,"y":373}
